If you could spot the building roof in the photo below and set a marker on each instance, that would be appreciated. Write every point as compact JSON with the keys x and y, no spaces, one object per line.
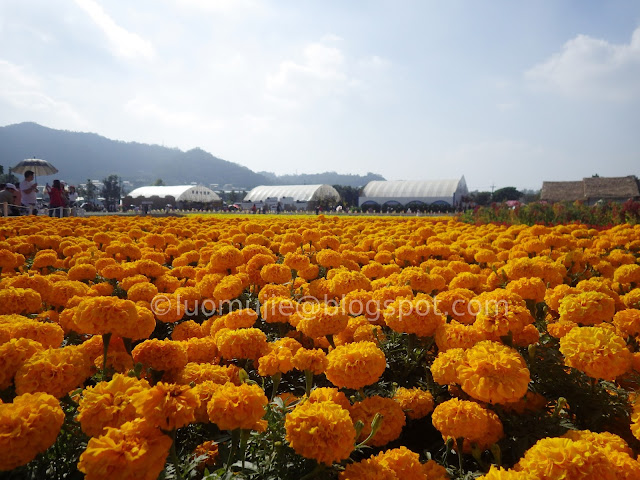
{"x":181,"y":193}
{"x":562,"y":191}
{"x":414,"y":188}
{"x":299,"y":193}
{"x":591,"y":188}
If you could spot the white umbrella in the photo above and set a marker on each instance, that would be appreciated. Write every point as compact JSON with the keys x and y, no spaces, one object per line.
{"x":36,"y":165}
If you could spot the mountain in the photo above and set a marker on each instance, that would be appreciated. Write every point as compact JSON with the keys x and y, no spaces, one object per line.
{"x":329,"y":178}
{"x":79,"y":156}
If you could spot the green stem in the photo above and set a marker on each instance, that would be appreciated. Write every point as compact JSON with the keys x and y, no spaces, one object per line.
{"x":314,"y":473}
{"x":460,"y":443}
{"x":308,"y":382}
{"x":330,"y":340}
{"x":244,"y":439}
{"x":106,"y":338}
{"x":276,"y":382}
{"x":235,"y":439}
{"x":174,"y":455}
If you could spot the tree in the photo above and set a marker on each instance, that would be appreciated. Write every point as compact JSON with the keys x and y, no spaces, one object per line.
{"x":159,"y":183}
{"x":111,"y":191}
{"x":348,"y":195}
{"x":506,"y":193}
{"x":233,"y":196}
{"x":89,"y":192}
{"x":480,"y":198}
{"x":8,"y":177}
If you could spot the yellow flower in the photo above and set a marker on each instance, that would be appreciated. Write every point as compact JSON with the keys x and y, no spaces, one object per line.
{"x":328,"y":394}
{"x":313,"y":360}
{"x":494,"y":373}
{"x":160,"y":355}
{"x":528,"y":288}
{"x":19,"y":300}
{"x":109,"y":404}
{"x":320,"y":320}
{"x":393,"y":419}
{"x":244,"y":318}
{"x":250,"y":343}
{"x":587,"y":308}
{"x":322,"y":431}
{"x":12,"y":355}
{"x":28,"y":426}
{"x":415,"y":402}
{"x":54,"y":371}
{"x":232,"y":407}
{"x":403,"y":462}
{"x":598,"y":352}
{"x":628,"y":321}
{"x":445,"y":366}
{"x":166,"y":405}
{"x":135,"y":451}
{"x":553,"y":458}
{"x":464,"y":419}
{"x":276,"y":273}
{"x":99,"y":315}
{"x":417,"y":316}
{"x":367,"y":469}
{"x":355,"y":365}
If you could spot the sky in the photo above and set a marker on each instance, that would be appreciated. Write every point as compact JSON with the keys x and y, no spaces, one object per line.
{"x":505,"y":93}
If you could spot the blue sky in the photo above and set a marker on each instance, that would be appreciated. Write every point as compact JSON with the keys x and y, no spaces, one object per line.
{"x":506,"y":93}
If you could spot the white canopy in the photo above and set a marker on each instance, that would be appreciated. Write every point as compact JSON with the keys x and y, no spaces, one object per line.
{"x":181,"y":193}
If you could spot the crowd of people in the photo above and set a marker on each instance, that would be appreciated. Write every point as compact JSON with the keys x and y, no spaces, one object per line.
{"x":22,"y":199}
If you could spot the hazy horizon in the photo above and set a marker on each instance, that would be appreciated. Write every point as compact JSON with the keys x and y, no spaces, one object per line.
{"x":504,"y":93}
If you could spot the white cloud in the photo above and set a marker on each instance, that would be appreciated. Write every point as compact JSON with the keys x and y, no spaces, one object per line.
{"x":322,"y":72}
{"x":23,"y":91}
{"x":123,"y":43}
{"x":590,"y":67}
{"x":219,"y":6}
{"x":150,"y":111}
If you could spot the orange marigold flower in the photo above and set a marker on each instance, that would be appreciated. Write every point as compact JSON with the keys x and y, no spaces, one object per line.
{"x":205,"y":372}
{"x":278,"y":309}
{"x":367,"y":469}
{"x":329,"y":394}
{"x":276,"y":273}
{"x":320,"y":320}
{"x":99,"y":315}
{"x":142,"y":291}
{"x":418,"y":316}
{"x":19,"y":300}
{"x":445,"y":367}
{"x":244,"y":318}
{"x":187,"y":330}
{"x":208,"y":449}
{"x":552,"y":458}
{"x":343,"y":281}
{"x":328,"y":258}
{"x":402,"y":462}
{"x":627,"y":274}
{"x":296,"y":261}
{"x":167,"y":405}
{"x":464,"y":419}
{"x":456,"y":335}
{"x":237,"y":406}
{"x":528,"y":288}
{"x":224,"y":259}
{"x":322,"y":431}
{"x":313,"y":360}
{"x":135,"y":451}
{"x":202,"y":350}
{"x":54,"y":371}
{"x":598,"y":352}
{"x":160,"y":355}
{"x":455,"y":304}
{"x":355,"y":365}
{"x":628,"y":321}
{"x":393,"y":419}
{"x":248,"y":343}
{"x":12,"y":355}
{"x":28,"y":426}
{"x":415,"y":402}
{"x":494,"y":373}
{"x":109,"y":404}
{"x":587,"y":308}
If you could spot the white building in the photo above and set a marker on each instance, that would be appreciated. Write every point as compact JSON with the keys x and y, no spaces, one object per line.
{"x":413,"y":193}
{"x":290,"y":197}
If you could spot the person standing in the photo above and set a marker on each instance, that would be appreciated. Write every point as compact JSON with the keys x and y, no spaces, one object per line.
{"x":10,"y":195}
{"x":56,"y":199}
{"x":29,"y":191}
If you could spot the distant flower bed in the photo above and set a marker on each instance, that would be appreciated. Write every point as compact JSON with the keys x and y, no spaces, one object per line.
{"x":602,"y":214}
{"x":219,"y":347}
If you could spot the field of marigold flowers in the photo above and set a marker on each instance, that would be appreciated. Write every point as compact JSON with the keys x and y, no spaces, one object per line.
{"x":269,"y":347}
